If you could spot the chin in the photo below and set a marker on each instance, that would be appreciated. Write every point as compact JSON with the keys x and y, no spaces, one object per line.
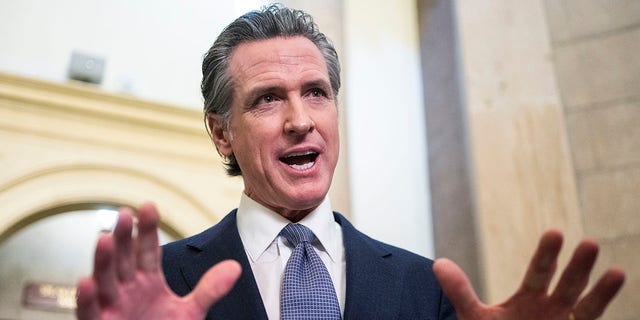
{"x":305,"y":200}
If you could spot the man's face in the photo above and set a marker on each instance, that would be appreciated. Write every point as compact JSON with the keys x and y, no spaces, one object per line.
{"x":284,"y":124}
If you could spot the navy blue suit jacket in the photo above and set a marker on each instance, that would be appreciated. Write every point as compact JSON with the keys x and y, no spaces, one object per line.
{"x":383,"y":282}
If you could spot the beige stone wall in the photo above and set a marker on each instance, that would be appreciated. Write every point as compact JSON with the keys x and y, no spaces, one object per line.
{"x":596,"y":47}
{"x":522,"y":175}
{"x":68,"y":144}
{"x":544,"y":131}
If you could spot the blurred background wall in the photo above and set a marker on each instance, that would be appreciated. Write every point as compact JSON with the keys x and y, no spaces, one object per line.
{"x":594,"y":47}
{"x":533,"y":122}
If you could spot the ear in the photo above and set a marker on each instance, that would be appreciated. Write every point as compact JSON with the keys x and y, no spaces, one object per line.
{"x":219,"y":134}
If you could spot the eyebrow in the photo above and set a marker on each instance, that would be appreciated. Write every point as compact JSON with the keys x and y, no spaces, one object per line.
{"x":318,"y":83}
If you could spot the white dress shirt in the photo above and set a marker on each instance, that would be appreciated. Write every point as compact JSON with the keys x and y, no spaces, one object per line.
{"x":268,"y":253}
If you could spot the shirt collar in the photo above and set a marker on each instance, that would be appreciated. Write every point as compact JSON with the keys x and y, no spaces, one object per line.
{"x":259,"y":226}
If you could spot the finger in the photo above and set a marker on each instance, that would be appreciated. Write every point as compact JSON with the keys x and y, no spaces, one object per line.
{"x":87,"y":300}
{"x":216,"y":283}
{"x":457,"y":288}
{"x":125,"y":262}
{"x":147,"y":249}
{"x":543,"y":263}
{"x":576,"y":275}
{"x":595,"y":302}
{"x":104,"y":271}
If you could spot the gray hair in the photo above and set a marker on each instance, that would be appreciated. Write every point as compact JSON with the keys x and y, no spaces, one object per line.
{"x":270,"y":22}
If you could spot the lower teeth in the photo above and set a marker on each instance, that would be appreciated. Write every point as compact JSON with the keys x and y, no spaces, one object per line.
{"x":302,"y":166}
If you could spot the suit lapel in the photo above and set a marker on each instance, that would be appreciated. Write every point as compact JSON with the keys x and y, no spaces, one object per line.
{"x":371,"y":292}
{"x":219,"y":243}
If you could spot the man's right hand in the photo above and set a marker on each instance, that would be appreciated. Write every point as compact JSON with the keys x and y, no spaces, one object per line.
{"x":128,"y":282}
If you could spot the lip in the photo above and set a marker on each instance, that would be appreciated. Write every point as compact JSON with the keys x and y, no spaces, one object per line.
{"x":300,"y":150}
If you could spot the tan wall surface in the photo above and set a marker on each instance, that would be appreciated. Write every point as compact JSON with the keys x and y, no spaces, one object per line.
{"x":551,"y":98}
{"x":522,"y":172}
{"x":452,"y":200}
{"x":63,"y":144}
{"x":595,"y":49}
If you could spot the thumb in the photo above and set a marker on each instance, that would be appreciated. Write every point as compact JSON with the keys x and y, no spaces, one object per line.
{"x":216,"y":283}
{"x":457,"y":288}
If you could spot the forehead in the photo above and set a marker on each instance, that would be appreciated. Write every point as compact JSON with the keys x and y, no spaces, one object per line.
{"x":289,"y":58}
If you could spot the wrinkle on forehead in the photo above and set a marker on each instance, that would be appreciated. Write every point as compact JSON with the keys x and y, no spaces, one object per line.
{"x":255,"y":62}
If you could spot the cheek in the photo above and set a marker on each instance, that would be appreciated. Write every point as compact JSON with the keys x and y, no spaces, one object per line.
{"x":255,"y":148}
{"x":332,"y":134}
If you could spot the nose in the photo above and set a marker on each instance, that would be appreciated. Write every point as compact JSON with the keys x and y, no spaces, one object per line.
{"x":297,"y":120}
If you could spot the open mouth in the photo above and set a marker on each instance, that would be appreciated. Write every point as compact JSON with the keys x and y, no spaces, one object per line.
{"x":300,"y":161}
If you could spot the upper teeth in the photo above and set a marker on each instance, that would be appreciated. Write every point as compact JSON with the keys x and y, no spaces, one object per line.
{"x":303,"y":153}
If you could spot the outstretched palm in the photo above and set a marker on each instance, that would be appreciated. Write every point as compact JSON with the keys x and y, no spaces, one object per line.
{"x":533,"y":300}
{"x":128,"y":282}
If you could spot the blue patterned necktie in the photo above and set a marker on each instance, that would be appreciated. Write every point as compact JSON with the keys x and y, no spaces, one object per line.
{"x":307,"y":289}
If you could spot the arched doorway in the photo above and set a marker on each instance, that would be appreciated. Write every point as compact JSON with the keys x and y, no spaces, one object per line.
{"x":43,"y":256}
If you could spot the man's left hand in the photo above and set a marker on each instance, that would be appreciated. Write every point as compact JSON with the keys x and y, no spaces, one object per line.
{"x":533,"y":299}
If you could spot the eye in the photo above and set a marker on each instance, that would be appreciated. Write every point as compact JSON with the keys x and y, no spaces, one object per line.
{"x":316,"y":92}
{"x":265,"y":99}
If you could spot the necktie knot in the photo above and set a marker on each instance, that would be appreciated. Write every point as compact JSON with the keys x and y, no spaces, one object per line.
{"x":296,"y":233}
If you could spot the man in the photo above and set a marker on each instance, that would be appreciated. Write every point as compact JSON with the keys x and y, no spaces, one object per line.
{"x":270,"y":83}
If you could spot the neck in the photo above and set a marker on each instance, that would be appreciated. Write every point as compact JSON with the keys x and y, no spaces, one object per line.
{"x":293,"y":215}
